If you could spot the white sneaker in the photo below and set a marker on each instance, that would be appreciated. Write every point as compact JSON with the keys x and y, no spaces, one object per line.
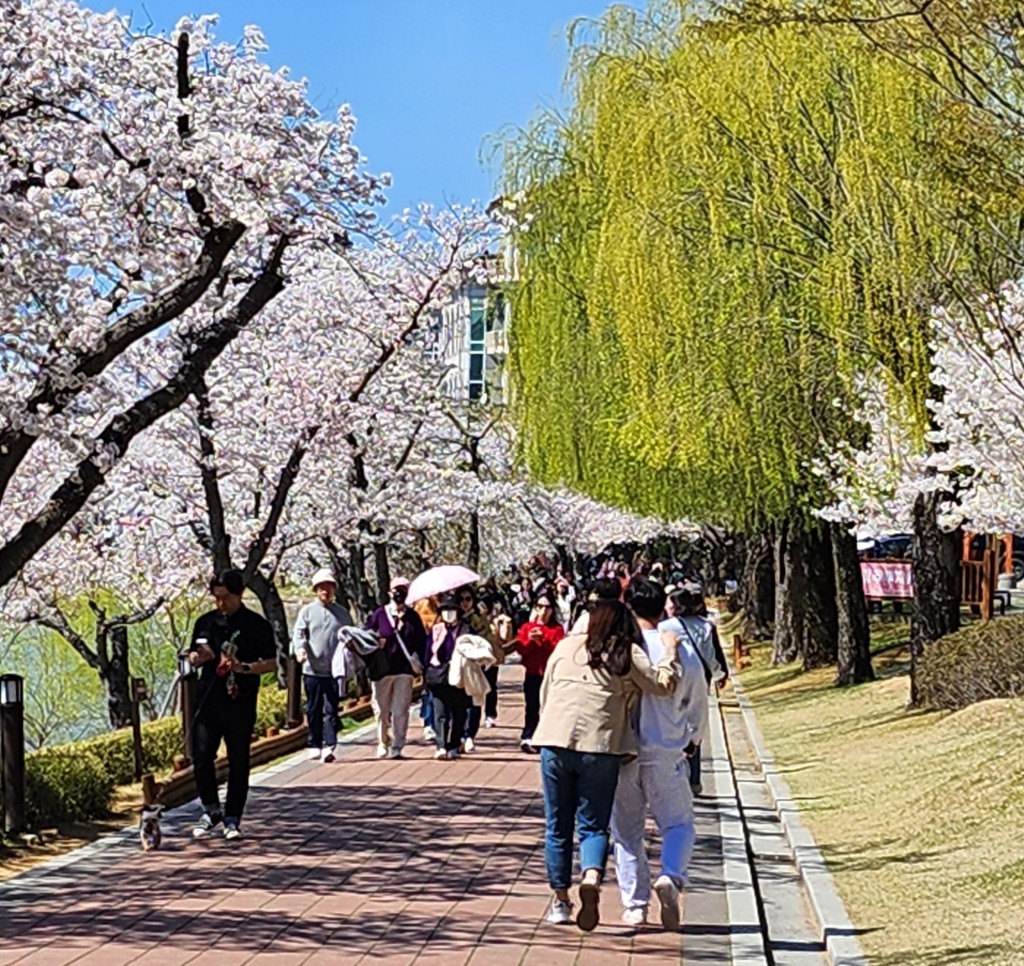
{"x":668,"y":896}
{"x":313,"y":754}
{"x":206,"y":825}
{"x":560,"y":913}
{"x":635,"y":917}
{"x":395,"y":752}
{"x":382,"y":751}
{"x":440,"y":754}
{"x":232,"y":832}
{"x":490,"y":722}
{"x":429,"y":734}
{"x":329,"y":754}
{"x":469,"y":745}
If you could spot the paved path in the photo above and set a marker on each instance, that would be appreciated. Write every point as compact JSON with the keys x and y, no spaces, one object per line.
{"x":367,"y":861}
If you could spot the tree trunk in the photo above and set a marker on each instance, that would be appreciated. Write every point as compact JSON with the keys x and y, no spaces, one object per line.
{"x":757,"y":589}
{"x":273,"y":610}
{"x":473,"y":554}
{"x":854,"y":643}
{"x":936,"y":557}
{"x":382,"y":570}
{"x":805,"y":597}
{"x":363,"y":600}
{"x":818,"y":647}
{"x":117,"y":679}
{"x":789,"y":595}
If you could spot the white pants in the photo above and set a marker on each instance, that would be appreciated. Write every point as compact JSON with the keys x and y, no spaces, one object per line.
{"x":391,"y":697}
{"x":664,"y":786}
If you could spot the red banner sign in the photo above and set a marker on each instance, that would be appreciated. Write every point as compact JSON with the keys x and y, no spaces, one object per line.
{"x":893,"y":578}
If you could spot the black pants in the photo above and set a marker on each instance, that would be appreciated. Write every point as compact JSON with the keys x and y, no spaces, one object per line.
{"x":321,"y":710}
{"x":491,"y":701}
{"x":531,"y":695}
{"x":451,"y":705}
{"x":490,"y":708}
{"x":233,"y":722}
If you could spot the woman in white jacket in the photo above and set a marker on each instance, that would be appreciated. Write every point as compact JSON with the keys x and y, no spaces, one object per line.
{"x":688,"y":621}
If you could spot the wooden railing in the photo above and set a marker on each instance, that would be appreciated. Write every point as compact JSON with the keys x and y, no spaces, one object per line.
{"x":978,"y":583}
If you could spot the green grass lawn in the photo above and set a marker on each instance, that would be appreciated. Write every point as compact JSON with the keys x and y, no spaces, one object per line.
{"x":920,"y":815}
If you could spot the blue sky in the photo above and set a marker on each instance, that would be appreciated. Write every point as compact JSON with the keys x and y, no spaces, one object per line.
{"x":428,"y":80}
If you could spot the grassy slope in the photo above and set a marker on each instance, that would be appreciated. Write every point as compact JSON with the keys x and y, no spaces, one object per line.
{"x":920,"y":815}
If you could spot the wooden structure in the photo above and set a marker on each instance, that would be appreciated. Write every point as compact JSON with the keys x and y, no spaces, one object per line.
{"x":740,"y":653}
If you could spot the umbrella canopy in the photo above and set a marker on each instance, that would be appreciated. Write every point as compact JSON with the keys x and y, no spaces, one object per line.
{"x":440,"y":580}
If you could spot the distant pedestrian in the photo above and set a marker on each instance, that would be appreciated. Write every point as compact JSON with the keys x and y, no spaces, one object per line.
{"x":582,"y":735}
{"x":480,"y":625}
{"x":427,"y":608}
{"x":504,"y":638}
{"x":537,"y":641}
{"x":404,"y":642}
{"x":315,"y":644}
{"x":451,"y":703}
{"x":233,"y":646}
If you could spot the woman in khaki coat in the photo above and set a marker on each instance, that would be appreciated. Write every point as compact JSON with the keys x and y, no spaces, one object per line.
{"x":589,"y":686}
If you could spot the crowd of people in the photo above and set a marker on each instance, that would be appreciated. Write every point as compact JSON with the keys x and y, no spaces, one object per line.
{"x":617,"y":665}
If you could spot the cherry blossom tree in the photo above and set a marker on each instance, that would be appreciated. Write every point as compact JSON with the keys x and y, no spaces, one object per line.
{"x":155,"y":194}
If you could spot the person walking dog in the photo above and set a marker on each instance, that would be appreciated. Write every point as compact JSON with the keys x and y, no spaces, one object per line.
{"x":232,"y":646}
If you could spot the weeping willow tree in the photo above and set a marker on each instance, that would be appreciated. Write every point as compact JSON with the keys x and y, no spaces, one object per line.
{"x":726,"y":228}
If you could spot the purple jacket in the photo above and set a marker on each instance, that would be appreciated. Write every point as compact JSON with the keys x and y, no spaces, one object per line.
{"x":410,"y":627}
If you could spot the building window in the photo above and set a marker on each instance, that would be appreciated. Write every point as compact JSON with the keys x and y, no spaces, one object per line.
{"x":477,"y":349}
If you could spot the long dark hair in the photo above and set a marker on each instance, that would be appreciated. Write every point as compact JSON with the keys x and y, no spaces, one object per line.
{"x":611,"y":634}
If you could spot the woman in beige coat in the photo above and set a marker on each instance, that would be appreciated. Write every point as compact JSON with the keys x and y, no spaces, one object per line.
{"x":589,"y":686}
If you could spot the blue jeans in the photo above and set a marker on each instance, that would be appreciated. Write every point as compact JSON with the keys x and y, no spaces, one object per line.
{"x":579,"y":790}
{"x":426,"y":709}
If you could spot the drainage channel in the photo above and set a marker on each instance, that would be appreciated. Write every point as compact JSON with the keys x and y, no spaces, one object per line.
{"x":787,"y":922}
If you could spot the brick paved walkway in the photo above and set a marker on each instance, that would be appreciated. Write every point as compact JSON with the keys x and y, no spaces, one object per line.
{"x":361,"y":861}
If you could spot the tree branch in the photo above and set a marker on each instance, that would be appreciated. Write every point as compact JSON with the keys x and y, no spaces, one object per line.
{"x":72,"y":494}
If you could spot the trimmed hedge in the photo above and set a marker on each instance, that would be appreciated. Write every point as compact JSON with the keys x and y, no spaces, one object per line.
{"x":76,"y":781}
{"x":66,"y":785}
{"x":982,"y":660}
{"x":161,"y":741}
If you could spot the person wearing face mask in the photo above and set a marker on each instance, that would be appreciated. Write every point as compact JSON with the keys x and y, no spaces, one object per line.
{"x":451,"y":704}
{"x":403,"y":643}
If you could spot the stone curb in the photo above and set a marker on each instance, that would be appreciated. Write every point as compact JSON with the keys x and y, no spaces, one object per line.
{"x":837,"y":931}
{"x":746,"y":936}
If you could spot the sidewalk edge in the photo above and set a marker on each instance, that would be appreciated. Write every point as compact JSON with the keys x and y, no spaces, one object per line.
{"x":837,"y":930}
{"x":746,"y":936}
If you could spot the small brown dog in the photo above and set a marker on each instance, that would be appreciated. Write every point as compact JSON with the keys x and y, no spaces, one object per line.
{"x":149,"y":827}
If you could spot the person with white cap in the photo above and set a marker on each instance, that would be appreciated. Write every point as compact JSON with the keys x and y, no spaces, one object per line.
{"x":403,"y":641}
{"x":314,"y":643}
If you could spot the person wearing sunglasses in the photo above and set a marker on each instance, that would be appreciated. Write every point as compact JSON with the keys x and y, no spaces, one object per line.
{"x":537,"y":640}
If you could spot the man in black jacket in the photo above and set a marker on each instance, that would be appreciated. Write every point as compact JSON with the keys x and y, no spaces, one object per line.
{"x":233,"y":646}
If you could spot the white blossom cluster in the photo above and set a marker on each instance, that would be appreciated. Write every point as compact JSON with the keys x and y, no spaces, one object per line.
{"x":974,"y":451}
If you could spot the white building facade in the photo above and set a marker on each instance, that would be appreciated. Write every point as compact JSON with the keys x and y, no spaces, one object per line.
{"x":469,"y":337}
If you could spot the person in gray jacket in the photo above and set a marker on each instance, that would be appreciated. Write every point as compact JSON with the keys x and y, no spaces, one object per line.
{"x":314,"y":643}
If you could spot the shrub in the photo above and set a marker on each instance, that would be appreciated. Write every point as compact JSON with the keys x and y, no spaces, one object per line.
{"x":66,"y":785}
{"x":161,"y":741}
{"x":271,"y":709}
{"x":983,"y":660}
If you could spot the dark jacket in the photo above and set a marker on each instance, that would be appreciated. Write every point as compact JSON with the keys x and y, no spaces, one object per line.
{"x":410,"y":627}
